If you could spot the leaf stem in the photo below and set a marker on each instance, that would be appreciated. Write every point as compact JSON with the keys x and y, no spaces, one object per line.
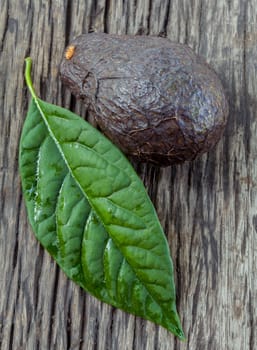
{"x":28,"y":61}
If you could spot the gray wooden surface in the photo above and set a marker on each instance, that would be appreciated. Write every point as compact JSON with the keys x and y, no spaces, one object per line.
{"x":208,"y":208}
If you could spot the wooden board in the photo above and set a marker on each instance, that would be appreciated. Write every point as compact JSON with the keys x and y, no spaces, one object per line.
{"x":208,"y":208}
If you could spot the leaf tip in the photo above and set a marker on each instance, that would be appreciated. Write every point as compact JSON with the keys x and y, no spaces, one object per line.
{"x":181,"y":335}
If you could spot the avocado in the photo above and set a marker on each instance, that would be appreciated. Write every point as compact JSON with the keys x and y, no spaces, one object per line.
{"x":155,"y":99}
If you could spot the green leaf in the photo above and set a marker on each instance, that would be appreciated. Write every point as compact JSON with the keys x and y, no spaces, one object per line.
{"x":90,"y":210}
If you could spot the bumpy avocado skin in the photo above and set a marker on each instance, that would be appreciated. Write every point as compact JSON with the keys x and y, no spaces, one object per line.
{"x":156,"y":100}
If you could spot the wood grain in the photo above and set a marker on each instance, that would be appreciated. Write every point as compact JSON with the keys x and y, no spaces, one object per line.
{"x":208,"y":208}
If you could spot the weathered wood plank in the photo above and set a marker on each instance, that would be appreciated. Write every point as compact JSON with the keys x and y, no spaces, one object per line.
{"x":208,"y":208}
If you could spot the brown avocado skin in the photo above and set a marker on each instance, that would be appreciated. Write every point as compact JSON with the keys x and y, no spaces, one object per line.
{"x":156,"y":100}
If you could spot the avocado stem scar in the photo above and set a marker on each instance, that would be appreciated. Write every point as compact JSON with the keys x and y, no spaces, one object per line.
{"x":69,"y":52}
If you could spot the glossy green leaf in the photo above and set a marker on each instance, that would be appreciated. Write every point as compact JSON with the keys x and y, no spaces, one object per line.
{"x":90,"y":210}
